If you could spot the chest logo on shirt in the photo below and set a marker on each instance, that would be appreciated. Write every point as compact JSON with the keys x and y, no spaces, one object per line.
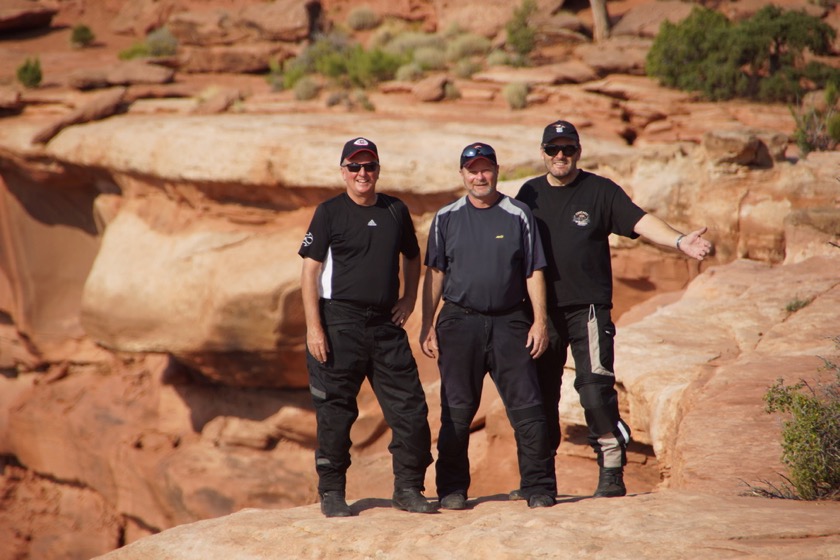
{"x":371,"y":223}
{"x":581,"y":218}
{"x":307,"y":239}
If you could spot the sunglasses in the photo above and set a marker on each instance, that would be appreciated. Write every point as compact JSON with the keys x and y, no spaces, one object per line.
{"x":356,"y":167}
{"x":484,"y":151}
{"x":553,"y":149}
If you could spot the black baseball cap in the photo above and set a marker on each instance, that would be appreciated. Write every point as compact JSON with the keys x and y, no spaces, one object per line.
{"x":356,"y":145}
{"x":560,"y":129}
{"x":476,"y":151}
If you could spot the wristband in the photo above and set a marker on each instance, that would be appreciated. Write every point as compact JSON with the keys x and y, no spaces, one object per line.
{"x":679,"y":239}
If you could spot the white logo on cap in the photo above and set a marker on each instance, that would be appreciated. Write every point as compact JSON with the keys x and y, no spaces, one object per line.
{"x":361,"y":142}
{"x":560,"y":129}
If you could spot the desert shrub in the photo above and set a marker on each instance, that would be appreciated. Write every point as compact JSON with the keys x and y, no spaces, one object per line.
{"x":516,"y":95}
{"x":29,"y":73}
{"x":451,"y":91}
{"x":275,"y":75}
{"x":367,"y":68}
{"x":360,"y":99}
{"x":409,"y":72}
{"x":818,"y":129}
{"x":468,"y":44}
{"x":361,"y":18}
{"x":81,"y":36}
{"x":498,"y":57}
{"x":137,"y":50}
{"x":760,"y":58}
{"x":811,"y":435}
{"x":452,"y":30}
{"x":159,"y":42}
{"x":796,"y":304}
{"x":405,"y":44}
{"x":345,"y":63}
{"x":466,"y":67}
{"x":521,"y":37}
{"x":521,"y":171}
{"x":306,"y":88}
{"x":430,"y":58}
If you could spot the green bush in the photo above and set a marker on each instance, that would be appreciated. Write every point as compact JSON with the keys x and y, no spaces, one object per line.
{"x":345,"y":63}
{"x":430,"y":58}
{"x":521,"y":37}
{"x":811,"y":437}
{"x":466,"y":45}
{"x":306,"y":88}
{"x":818,"y":129}
{"x":159,"y":42}
{"x":405,"y":44}
{"x":760,"y":58}
{"x":796,"y":304}
{"x":451,"y":91}
{"x":362,"y":18}
{"x":466,"y":67}
{"x":29,"y":73}
{"x":82,"y":36}
{"x":410,"y":72}
{"x":516,"y":95}
{"x":137,"y":50}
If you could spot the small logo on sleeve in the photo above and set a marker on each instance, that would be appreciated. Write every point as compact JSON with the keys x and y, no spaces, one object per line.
{"x":307,"y":239}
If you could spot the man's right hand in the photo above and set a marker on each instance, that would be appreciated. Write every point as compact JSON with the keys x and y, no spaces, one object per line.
{"x":428,"y":342}
{"x":316,"y":343}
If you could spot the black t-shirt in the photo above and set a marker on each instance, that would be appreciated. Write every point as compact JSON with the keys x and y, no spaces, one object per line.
{"x":486,"y":253}
{"x":575,"y":222}
{"x":360,"y":248}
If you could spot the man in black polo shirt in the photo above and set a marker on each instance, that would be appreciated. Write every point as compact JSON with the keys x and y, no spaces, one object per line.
{"x":576,"y":211}
{"x":484,"y":259}
{"x":354,"y":329}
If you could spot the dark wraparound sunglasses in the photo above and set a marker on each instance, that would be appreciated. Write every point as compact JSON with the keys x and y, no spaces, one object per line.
{"x":356,"y":167}
{"x":553,"y":149}
{"x":484,"y":151}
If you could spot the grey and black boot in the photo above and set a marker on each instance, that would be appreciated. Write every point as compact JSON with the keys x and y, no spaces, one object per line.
{"x":611,"y":483}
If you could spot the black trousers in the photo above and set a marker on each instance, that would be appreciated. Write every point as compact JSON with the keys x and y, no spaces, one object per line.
{"x":589,"y":330}
{"x":365,"y":343}
{"x":472,"y":344}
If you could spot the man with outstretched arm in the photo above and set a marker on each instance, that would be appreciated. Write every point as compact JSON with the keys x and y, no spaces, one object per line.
{"x":576,"y":211}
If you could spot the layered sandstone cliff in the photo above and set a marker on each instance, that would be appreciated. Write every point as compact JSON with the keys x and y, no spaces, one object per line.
{"x":151,"y":333}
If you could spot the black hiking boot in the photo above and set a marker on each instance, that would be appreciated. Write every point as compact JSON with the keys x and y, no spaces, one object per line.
{"x":412,"y":500}
{"x":334,"y":505}
{"x":611,"y":483}
{"x":455,"y":500}
{"x":541,"y":501}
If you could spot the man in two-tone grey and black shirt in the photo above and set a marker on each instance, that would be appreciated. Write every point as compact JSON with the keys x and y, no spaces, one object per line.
{"x":484,"y":259}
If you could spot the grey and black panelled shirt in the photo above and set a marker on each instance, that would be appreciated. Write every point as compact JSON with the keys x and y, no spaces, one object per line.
{"x":360,"y":249}
{"x":486,"y":253}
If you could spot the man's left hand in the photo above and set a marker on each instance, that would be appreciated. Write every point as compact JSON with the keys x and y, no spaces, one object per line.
{"x":695,"y":246}
{"x":537,"y":340}
{"x":401,"y":311}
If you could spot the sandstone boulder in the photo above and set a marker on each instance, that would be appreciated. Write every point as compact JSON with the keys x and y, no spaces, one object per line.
{"x":20,"y":15}
{"x":644,"y":20}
